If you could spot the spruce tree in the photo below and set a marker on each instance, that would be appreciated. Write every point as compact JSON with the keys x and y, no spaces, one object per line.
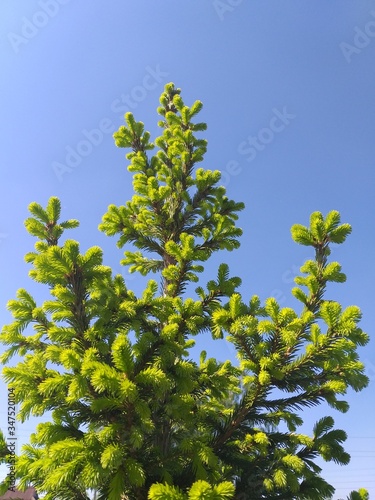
{"x":134,"y":415}
{"x":4,"y":452}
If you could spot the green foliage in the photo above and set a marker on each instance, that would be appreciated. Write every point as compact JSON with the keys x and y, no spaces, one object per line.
{"x":133,"y":416}
{"x":199,"y":490}
{"x":3,"y":447}
{"x":44,"y":225}
{"x":361,"y":494}
{"x":178,"y":214}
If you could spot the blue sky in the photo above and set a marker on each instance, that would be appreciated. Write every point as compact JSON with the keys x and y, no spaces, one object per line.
{"x":288,"y":93}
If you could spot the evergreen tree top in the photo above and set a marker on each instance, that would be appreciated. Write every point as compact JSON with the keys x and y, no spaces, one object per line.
{"x":133,"y":415}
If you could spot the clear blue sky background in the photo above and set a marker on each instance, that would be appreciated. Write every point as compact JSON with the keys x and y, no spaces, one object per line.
{"x":75,"y":68}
